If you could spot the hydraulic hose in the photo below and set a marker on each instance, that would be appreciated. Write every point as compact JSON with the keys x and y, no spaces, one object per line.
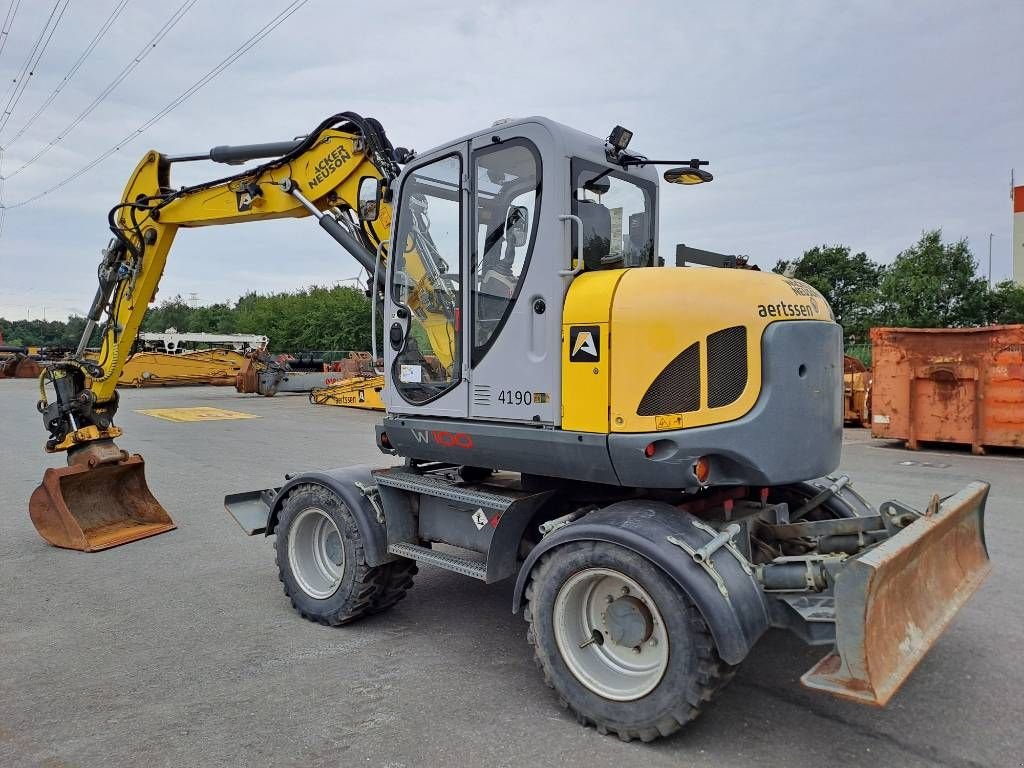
{"x":75,"y":365}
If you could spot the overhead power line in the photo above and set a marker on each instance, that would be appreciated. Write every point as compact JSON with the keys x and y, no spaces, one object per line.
{"x":5,"y":31}
{"x":28,"y":69}
{"x":230,"y":59}
{"x":118,"y":79}
{"x":5,"y":34}
{"x":3,"y":208}
{"x":104,"y":28}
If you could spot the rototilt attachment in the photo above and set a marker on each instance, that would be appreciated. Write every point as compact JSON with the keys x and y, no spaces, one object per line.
{"x":893,"y":601}
{"x":100,"y":500}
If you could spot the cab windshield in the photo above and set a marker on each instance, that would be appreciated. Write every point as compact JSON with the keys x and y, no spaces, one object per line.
{"x":617,"y":211}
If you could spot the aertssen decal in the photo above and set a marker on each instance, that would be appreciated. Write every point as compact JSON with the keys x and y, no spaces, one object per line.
{"x":785,"y":309}
{"x":809,"y":307}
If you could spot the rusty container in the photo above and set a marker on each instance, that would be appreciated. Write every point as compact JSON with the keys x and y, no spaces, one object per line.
{"x":949,"y":385}
{"x":856,"y":392}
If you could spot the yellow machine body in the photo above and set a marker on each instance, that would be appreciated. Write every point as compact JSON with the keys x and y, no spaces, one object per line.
{"x":647,"y":318}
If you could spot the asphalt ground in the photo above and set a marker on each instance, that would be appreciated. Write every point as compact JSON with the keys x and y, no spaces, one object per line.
{"x":182,"y":650}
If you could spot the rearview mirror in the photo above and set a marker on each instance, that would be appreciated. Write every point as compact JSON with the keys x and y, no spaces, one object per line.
{"x":687,"y":174}
{"x":517,"y":226}
{"x":369,"y":198}
{"x":598,"y":185}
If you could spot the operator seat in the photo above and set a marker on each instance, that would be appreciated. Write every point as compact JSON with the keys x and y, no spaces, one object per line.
{"x":597,"y":234}
{"x":495,"y":288}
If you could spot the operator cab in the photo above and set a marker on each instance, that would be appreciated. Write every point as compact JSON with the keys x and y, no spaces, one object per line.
{"x":488,"y":236}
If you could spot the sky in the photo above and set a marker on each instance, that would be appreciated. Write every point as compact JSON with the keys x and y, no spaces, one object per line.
{"x":860,"y":123}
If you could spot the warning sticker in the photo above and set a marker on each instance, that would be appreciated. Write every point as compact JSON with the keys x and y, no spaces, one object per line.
{"x":479,"y":519}
{"x":669,"y":421}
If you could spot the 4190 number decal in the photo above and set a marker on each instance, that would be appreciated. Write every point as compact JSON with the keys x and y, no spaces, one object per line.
{"x":515,"y":397}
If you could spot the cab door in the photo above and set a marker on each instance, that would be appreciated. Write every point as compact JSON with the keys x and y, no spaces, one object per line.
{"x":424,"y":351}
{"x":516,"y":243}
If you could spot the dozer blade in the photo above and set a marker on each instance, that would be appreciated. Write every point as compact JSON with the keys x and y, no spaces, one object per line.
{"x":90,"y":508}
{"x":894,"y":601}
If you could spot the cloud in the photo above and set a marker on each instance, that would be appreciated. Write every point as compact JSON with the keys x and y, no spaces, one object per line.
{"x":857,"y":123}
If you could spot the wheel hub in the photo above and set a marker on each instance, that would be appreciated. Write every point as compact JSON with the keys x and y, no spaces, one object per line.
{"x":316,"y":553}
{"x":629,"y":622}
{"x":610,"y":634}
{"x":332,"y":547}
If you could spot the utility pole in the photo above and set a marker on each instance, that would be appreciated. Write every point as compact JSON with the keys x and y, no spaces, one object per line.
{"x":990,"y":236}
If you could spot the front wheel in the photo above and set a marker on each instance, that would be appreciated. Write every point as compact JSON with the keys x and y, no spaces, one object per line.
{"x":622,"y":645}
{"x":322,"y":565}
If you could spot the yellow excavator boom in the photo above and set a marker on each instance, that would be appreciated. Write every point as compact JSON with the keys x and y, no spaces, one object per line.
{"x":319,"y":175}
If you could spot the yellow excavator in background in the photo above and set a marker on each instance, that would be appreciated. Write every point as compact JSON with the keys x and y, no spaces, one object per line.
{"x":649,"y":451}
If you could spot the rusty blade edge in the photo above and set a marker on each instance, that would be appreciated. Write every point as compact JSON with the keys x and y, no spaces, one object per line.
{"x":824,"y":676}
{"x":839,"y":676}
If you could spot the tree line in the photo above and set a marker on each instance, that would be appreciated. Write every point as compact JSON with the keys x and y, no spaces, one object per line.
{"x":315,"y":318}
{"x":930,"y":284}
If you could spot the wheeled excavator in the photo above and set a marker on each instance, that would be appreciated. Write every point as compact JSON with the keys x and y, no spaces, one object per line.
{"x":649,"y":452}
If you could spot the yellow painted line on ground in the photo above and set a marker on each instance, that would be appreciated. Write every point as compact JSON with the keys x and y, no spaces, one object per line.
{"x":196,"y":414}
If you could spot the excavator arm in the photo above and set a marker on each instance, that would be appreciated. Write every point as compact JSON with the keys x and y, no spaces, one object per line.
{"x":100,"y":498}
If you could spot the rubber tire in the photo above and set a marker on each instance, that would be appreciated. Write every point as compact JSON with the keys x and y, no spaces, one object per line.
{"x":694,"y":674}
{"x":363,"y":590}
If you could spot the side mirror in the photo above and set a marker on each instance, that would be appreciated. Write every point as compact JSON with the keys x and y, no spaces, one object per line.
{"x":517,"y":226}
{"x":369,"y":198}
{"x":599,"y":185}
{"x":688,"y":175}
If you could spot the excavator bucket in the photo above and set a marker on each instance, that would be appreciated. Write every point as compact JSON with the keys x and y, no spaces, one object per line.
{"x":20,"y":367}
{"x":93,"y":507}
{"x":893,"y":601}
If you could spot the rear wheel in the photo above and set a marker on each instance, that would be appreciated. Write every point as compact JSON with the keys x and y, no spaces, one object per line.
{"x":322,"y":564}
{"x":620,"y":643}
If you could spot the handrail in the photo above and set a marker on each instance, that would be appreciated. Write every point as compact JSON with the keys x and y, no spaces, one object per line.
{"x":579,"y":246}
{"x":373,"y":303}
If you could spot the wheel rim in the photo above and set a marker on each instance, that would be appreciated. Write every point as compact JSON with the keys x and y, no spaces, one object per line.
{"x":316,"y":553}
{"x":610,"y":634}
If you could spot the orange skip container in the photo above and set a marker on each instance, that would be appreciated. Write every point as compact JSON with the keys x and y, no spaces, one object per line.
{"x":949,"y":385}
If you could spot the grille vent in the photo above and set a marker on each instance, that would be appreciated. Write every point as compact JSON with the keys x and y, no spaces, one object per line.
{"x":482,"y":394}
{"x":727,"y":365}
{"x":677,"y":388}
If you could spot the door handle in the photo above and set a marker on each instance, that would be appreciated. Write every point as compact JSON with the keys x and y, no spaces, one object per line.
{"x":396,"y":335}
{"x":579,"y":246}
